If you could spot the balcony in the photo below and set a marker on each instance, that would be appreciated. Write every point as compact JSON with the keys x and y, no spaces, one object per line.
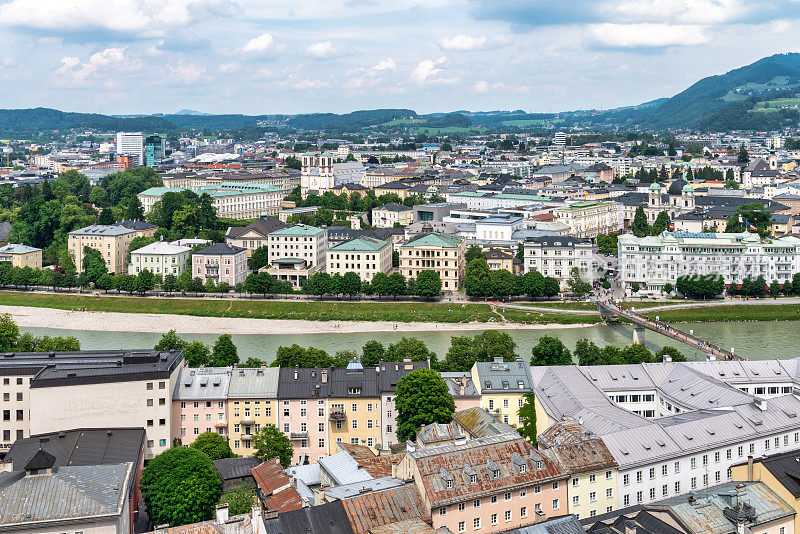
{"x":220,"y":424}
{"x":337,"y":416}
{"x":298,"y":435}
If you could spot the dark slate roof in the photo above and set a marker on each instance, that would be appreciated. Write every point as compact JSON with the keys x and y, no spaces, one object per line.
{"x":89,"y":367}
{"x":232,"y":468}
{"x":328,"y":518}
{"x":557,"y":240}
{"x":391,"y":372}
{"x":676,"y":188}
{"x":786,"y":469}
{"x":40,"y":460}
{"x":82,"y":446}
{"x":393,"y":206}
{"x":339,"y":382}
{"x":262,"y":225}
{"x":567,"y":524}
{"x":344,"y":233}
{"x":220,"y":249}
{"x":136,"y":224}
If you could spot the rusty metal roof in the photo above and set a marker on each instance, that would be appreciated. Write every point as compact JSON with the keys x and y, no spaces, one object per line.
{"x":380,"y":466}
{"x":506,"y":452}
{"x":563,"y":432}
{"x":588,"y":455}
{"x":379,"y":508}
{"x":408,"y":526}
{"x":438,"y":432}
{"x":275,"y":487}
{"x":479,"y":423}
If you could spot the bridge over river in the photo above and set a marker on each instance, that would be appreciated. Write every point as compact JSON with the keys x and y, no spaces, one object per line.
{"x":611,"y":313}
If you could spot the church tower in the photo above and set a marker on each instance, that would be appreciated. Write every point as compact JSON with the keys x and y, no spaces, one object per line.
{"x":307,"y":165}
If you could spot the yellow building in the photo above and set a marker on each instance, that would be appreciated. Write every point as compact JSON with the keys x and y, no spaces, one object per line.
{"x":592,"y":486}
{"x":778,"y":472}
{"x":502,"y":386}
{"x":354,"y":419}
{"x":389,"y":215}
{"x":111,"y":240}
{"x":435,"y":251}
{"x":588,"y":219}
{"x":365,"y":256}
{"x":21,"y":255}
{"x":252,"y":404}
{"x":398,"y":188}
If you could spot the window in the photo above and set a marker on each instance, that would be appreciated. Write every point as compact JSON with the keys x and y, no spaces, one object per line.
{"x":677,"y":467}
{"x":693,"y":482}
{"x":652,"y":493}
{"x":321,"y":443}
{"x":523,"y":512}
{"x":555,"y":504}
{"x":355,"y":424}
{"x":664,"y":470}
{"x":507,"y":496}
{"x":626,"y":500}
{"x":462,"y":506}
{"x":493,"y":499}
{"x":664,"y":490}
{"x":508,"y":515}
{"x":705,"y":459}
{"x":461,"y":526}
{"x":716,"y":457}
{"x":476,"y":503}
{"x":555,"y":485}
{"x":693,"y":463}
{"x":609,"y":493}
{"x":473,"y":479}
{"x":609,"y":474}
{"x":626,"y":479}
{"x":639,"y":496}
{"x":638,"y":476}
{"x":443,"y":510}
{"x":740,"y":451}
{"x":449,"y":485}
{"x":576,"y":500}
{"x":494,"y":519}
{"x":592,"y":478}
{"x":678,"y":486}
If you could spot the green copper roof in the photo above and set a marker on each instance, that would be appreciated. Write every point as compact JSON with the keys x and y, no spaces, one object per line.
{"x":299,"y":229}
{"x":434,"y":239}
{"x":361,"y":244}
{"x":655,"y":185}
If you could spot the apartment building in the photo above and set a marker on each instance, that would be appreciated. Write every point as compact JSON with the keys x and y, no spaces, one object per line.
{"x":556,"y":256}
{"x":48,"y":392}
{"x":443,"y":253}
{"x":220,"y":262}
{"x":354,"y":404}
{"x":303,"y":410}
{"x":131,"y":144}
{"x":297,"y":252}
{"x":654,"y":261}
{"x":589,"y":219}
{"x":21,"y":255}
{"x":111,"y":240}
{"x":392,"y":214}
{"x":491,"y":484}
{"x":592,"y":486}
{"x":365,"y":256}
{"x":200,"y":403}
{"x":230,"y":200}
{"x":502,"y":386}
{"x":254,"y":235}
{"x":389,"y":374}
{"x":252,"y":404}
{"x":160,"y":258}
{"x":707,"y":425}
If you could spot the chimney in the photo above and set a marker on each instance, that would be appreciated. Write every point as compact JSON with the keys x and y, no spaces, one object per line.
{"x":161,"y":529}
{"x":630,"y":527}
{"x":539,"y":517}
{"x":762,"y":404}
{"x":691,"y":498}
{"x":222,"y":513}
{"x":667,"y":358}
{"x":750,"y":468}
{"x":324,"y":373}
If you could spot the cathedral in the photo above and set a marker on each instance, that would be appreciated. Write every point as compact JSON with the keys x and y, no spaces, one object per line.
{"x":679,"y":200}
{"x":316,"y":176}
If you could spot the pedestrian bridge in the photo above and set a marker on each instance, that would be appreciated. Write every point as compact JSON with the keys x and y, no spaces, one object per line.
{"x":610,"y":312}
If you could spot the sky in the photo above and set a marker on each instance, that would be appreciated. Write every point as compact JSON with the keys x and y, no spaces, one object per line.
{"x":304,"y":56}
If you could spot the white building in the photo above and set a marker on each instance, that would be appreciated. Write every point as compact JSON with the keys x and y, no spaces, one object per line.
{"x":230,"y":200}
{"x":588,"y":219}
{"x":160,"y":258}
{"x":297,"y":252}
{"x":131,"y":144}
{"x":365,"y":256}
{"x":555,"y":256}
{"x":653,"y":261}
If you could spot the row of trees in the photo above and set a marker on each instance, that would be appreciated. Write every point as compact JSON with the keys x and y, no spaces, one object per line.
{"x":427,"y":284}
{"x":552,"y":351}
{"x":12,"y":341}
{"x":640,"y":227}
{"x":480,"y":281}
{"x":223,"y":354}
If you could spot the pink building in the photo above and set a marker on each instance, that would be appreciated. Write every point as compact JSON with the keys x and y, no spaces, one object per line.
{"x":462,"y":389}
{"x":199,"y":403}
{"x":486,"y":485}
{"x":220,"y":262}
{"x":303,"y":412}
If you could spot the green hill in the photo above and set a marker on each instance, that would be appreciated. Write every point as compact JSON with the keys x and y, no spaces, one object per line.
{"x":23,"y":122}
{"x":702,"y":104}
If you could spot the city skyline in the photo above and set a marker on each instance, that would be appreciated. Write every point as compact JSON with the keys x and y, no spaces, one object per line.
{"x":144,"y":57}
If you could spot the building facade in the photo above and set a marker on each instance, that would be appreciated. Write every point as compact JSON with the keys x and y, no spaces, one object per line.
{"x":230,"y":200}
{"x":389,"y":215}
{"x":443,"y":253}
{"x":221,"y":263}
{"x":556,"y":256}
{"x":200,"y":403}
{"x":160,"y":258}
{"x":297,"y":252}
{"x":21,"y":256}
{"x":365,"y":256}
{"x":589,"y":219}
{"x":111,"y":241}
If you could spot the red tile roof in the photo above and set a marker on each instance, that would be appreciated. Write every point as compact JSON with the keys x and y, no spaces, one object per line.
{"x":276,"y":490}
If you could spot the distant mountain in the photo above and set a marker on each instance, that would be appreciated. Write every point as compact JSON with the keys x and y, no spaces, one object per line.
{"x":190,"y":112}
{"x":24,"y":122}
{"x":727,"y":101}
{"x":356,"y":119}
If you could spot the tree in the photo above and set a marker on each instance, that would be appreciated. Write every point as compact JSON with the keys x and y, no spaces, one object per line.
{"x":125,"y":282}
{"x":428,"y":284}
{"x":170,"y":341}
{"x":550,"y":351}
{"x":145,"y":281}
{"x":195,"y":285}
{"x":587,"y":353}
{"x":635,"y":287}
{"x":9,"y":333}
{"x":577,"y":285}
{"x":271,"y":443}
{"x":372,"y":353}
{"x":224,"y":353}
{"x":550,"y":286}
{"x":106,"y":216}
{"x":774,"y":288}
{"x":197,"y":353}
{"x":297,"y":356}
{"x":105,"y":282}
{"x":637,"y":353}
{"x":668,"y":288}
{"x":672,"y":352}
{"x":478,"y":278}
{"x":639,"y":227}
{"x":351,"y":283}
{"x":212,"y":445}
{"x":474,"y":252}
{"x":251,"y":363}
{"x":660,"y":224}
{"x":396,"y":284}
{"x":180,"y":486}
{"x":465,"y":351}
{"x":743,"y":156}
{"x":412,"y":348}
{"x":170,"y":283}
{"x":134,"y":209}
{"x":503,"y":283}
{"x":259,"y":259}
{"x":421,"y":398}
{"x":239,"y":499}
{"x":527,"y":416}
{"x":93,"y":264}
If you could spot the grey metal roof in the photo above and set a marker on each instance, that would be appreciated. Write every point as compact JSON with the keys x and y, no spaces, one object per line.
{"x":232,"y":468}
{"x":70,"y":492}
{"x":619,"y":377}
{"x":460,"y":384}
{"x":497,"y":376}
{"x":258,"y":383}
{"x":328,"y":518}
{"x":202,"y":383}
{"x":695,"y":390}
{"x":567,"y":524}
{"x":343,"y":469}
{"x":356,"y":488}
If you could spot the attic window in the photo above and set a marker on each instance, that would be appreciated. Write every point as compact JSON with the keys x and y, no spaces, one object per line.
{"x":488,"y":384}
{"x":505,"y":384}
{"x":539,"y":464}
{"x":521,"y":468}
{"x":473,"y":479}
{"x":448,"y":484}
{"x":520,"y":384}
{"x":353,"y":391}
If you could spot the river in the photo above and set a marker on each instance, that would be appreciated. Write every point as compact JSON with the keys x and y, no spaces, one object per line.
{"x":752,"y":340}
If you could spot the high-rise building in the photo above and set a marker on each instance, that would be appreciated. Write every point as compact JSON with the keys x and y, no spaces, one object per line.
{"x":155,"y":148}
{"x":131,"y":144}
{"x":560,"y":139}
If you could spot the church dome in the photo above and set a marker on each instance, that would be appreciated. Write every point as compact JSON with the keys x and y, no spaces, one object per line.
{"x":676,"y":187}
{"x":655,"y":186}
{"x":688,"y":188}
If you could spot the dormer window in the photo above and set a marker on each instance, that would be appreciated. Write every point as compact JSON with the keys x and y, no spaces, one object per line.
{"x":520,"y":384}
{"x":505,"y":384}
{"x":523,"y":468}
{"x":448,"y":484}
{"x":539,"y":464}
{"x":473,"y":479}
{"x":353,"y":391}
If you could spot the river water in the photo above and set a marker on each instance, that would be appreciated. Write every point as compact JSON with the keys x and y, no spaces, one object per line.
{"x":752,"y":340}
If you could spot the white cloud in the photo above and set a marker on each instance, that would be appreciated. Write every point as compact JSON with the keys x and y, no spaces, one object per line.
{"x":427,"y":71}
{"x":258,"y":45}
{"x":154,"y":50}
{"x":682,"y":11}
{"x":462,"y":42}
{"x":646,"y":35}
{"x":385,"y":64}
{"x":186,"y":73}
{"x":139,"y":17}
{"x":263,"y":74}
{"x":73,"y":72}
{"x":229,"y":67}
{"x":321,"y":49}
{"x":482,"y":86}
